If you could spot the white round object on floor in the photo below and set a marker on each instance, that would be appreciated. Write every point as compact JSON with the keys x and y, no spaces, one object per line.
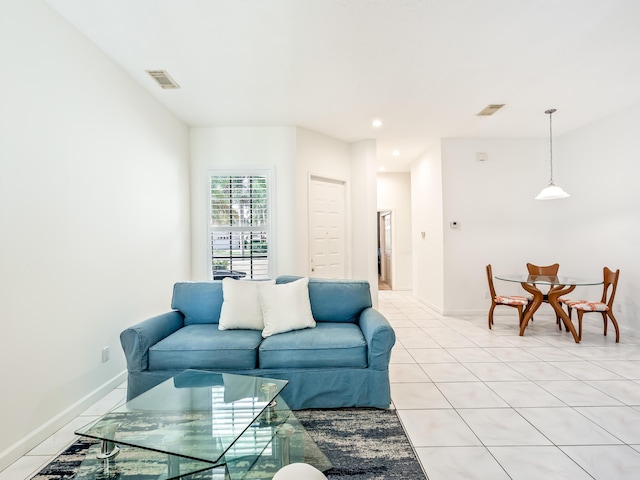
{"x":299,"y":471}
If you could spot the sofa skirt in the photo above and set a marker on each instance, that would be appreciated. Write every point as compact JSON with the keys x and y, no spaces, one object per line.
{"x":307,"y":388}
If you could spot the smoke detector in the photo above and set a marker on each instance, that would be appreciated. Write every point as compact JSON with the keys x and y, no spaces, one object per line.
{"x":490,"y":109}
{"x":163,"y":79}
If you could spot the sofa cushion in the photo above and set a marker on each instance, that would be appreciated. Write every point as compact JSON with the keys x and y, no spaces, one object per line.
{"x":285,"y":307}
{"x":335,"y":300}
{"x":206,"y":347}
{"x":199,"y":302}
{"x":241,"y":307}
{"x":329,"y":345}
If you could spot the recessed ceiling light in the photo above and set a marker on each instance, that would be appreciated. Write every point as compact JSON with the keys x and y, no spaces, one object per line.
{"x":396,"y":153}
{"x":377,"y":123}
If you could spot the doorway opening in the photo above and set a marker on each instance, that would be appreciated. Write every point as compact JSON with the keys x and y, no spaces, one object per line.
{"x":385,"y":251}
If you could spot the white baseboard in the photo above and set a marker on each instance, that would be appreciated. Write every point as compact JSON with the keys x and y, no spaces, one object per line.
{"x":23,"y":446}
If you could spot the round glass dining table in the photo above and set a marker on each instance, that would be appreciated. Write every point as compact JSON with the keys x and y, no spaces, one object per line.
{"x":558,"y":286}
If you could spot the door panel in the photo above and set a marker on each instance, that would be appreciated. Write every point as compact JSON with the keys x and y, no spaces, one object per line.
{"x":387,"y":250}
{"x":327,"y":228}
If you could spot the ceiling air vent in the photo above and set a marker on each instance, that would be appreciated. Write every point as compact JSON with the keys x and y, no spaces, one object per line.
{"x":490,"y":109}
{"x":163,"y":79}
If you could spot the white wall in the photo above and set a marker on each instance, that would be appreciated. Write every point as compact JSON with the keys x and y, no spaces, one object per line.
{"x":500,"y":223}
{"x":94,"y":210}
{"x":294,"y":153}
{"x":602,"y":222}
{"x":498,"y":220}
{"x":317,"y":154}
{"x":364,"y":231}
{"x":245,"y":147}
{"x":394,"y":194}
{"x":427,"y":217}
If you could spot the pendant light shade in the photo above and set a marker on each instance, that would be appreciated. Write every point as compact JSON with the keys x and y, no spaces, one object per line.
{"x":551,"y":191}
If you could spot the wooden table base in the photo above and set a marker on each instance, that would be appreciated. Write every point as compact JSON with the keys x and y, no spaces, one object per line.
{"x":553,"y":297}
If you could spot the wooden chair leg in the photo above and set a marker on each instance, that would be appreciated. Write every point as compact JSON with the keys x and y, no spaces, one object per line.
{"x":604,"y":320}
{"x":520,"y":314}
{"x":615,"y":325}
{"x":493,"y":306}
{"x":569,"y":315}
{"x":580,"y":313}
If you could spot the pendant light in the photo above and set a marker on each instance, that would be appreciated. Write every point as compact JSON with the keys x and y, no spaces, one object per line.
{"x":551,"y":191}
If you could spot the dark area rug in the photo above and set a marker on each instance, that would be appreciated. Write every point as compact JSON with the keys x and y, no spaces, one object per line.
{"x":361,"y":443}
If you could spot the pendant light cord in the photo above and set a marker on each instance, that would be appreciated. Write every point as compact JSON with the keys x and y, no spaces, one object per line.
{"x":550,"y":112}
{"x":551,"y":191}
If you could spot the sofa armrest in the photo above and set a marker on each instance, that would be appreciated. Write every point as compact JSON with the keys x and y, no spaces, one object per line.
{"x":380,"y":338}
{"x":137,"y":339}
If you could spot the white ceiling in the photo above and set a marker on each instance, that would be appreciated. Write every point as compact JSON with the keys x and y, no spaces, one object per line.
{"x":425,"y":67}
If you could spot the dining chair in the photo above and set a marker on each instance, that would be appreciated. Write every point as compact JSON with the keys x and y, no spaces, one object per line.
{"x":516,"y":301}
{"x":550,"y":270}
{"x":543,"y":270}
{"x":604,"y":306}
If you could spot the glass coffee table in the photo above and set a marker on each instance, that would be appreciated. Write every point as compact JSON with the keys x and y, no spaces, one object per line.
{"x":200,"y":425}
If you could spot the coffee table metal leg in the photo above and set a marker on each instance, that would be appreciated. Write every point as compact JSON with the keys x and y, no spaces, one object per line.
{"x":283,"y":444}
{"x":108,"y":449}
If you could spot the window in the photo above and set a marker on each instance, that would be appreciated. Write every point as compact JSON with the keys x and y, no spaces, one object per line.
{"x":239,"y":225}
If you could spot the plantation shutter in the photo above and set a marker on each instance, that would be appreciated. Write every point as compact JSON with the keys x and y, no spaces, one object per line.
{"x":239,"y":226}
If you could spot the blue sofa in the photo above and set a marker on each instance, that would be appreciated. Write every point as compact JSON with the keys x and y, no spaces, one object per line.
{"x":342,"y":362}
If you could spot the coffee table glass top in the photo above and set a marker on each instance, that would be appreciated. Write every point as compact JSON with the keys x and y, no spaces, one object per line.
{"x":289,"y":443}
{"x":196,"y":415}
{"x":549,"y":279}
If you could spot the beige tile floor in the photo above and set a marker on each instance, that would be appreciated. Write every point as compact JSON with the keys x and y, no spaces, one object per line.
{"x":489,"y":404}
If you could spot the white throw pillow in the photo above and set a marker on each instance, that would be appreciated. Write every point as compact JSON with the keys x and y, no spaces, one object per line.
{"x":286,"y":307}
{"x":241,"y":307}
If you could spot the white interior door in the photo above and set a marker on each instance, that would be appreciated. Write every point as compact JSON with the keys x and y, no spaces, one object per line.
{"x":382,"y":267}
{"x":327,"y":235}
{"x":385,"y":252}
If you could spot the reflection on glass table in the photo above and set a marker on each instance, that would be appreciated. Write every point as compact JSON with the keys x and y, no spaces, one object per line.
{"x":193,"y":422}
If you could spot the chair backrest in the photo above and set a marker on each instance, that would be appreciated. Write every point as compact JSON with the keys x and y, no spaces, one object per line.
{"x":610,"y":285}
{"x":543,"y":270}
{"x":492,"y":290}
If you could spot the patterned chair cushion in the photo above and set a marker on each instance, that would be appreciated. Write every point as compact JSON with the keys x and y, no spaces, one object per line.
{"x":591,"y":306}
{"x":512,"y":300}
{"x":570,"y":303}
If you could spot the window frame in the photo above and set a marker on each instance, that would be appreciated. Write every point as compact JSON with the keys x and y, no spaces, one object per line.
{"x":269,"y":175}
